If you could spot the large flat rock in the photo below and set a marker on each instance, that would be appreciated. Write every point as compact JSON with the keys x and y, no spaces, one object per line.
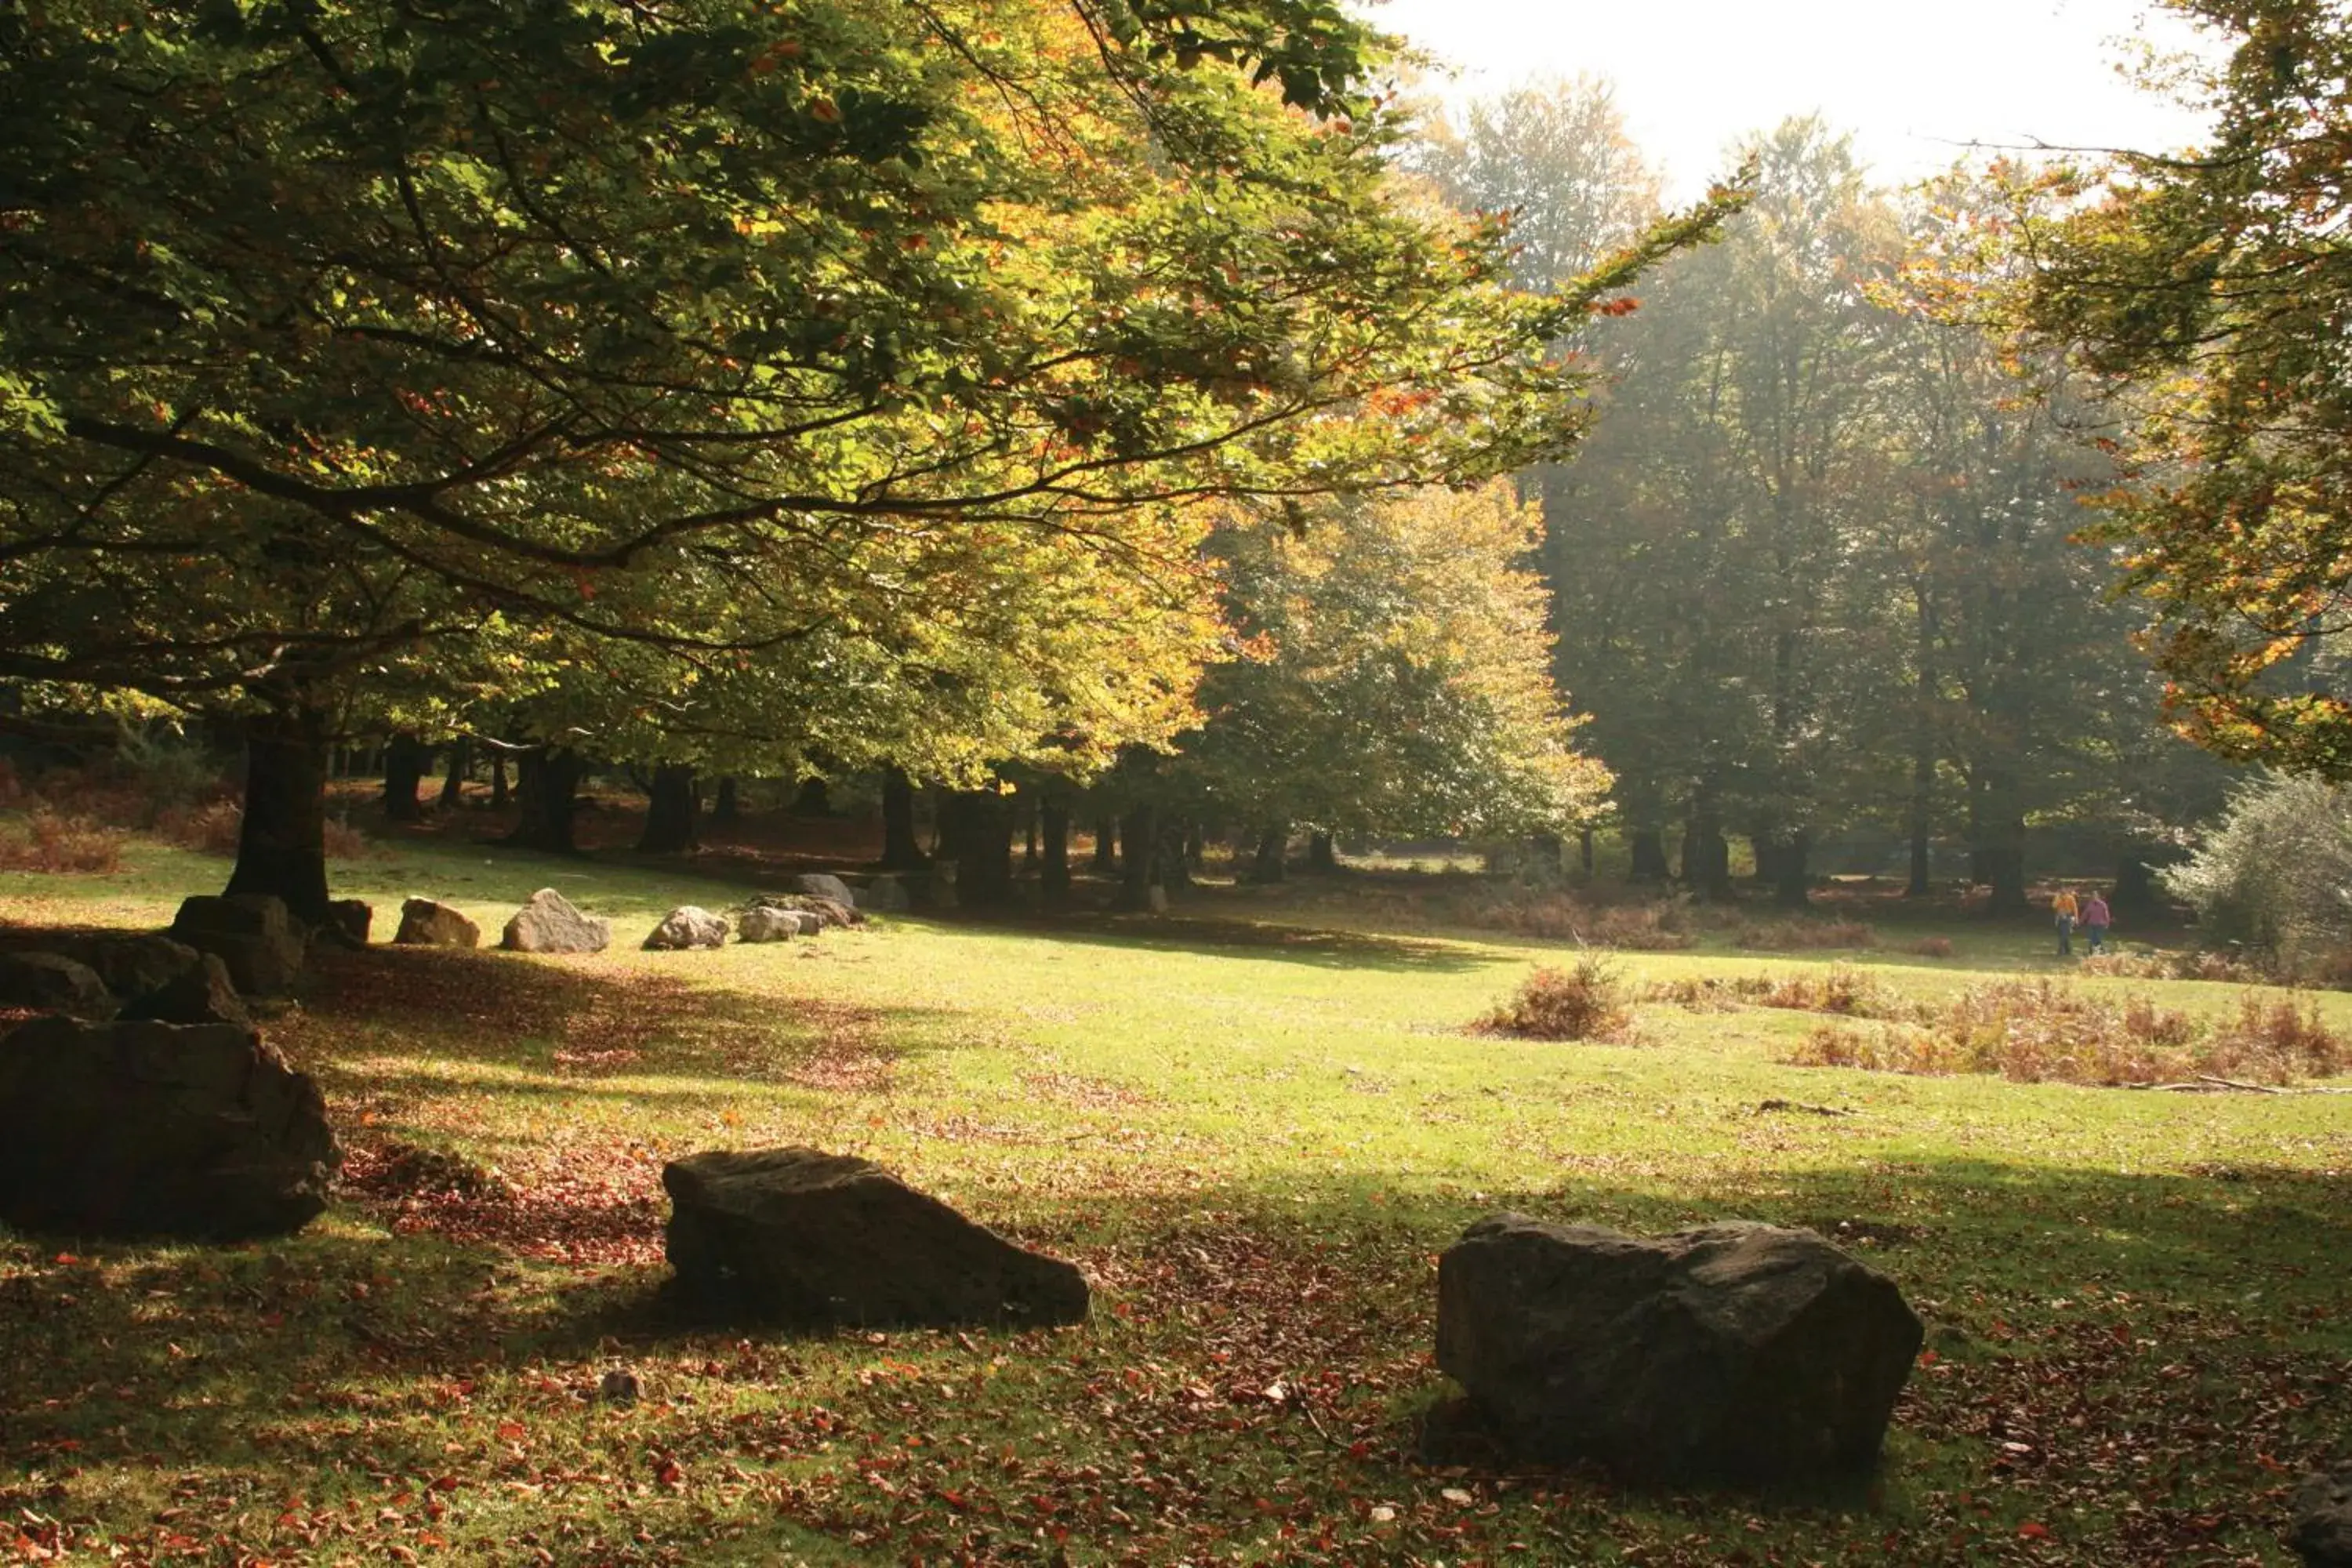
{"x":817,"y":1240}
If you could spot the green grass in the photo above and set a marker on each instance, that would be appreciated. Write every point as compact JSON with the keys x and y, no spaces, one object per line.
{"x":1255,"y":1136}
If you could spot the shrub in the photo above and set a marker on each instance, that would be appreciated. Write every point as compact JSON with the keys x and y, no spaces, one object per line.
{"x":1799,"y":936}
{"x":1553,"y":916}
{"x":1709,"y":993}
{"x":1932,"y":947}
{"x":1585,"y":1003}
{"x":210,"y":829}
{"x":2271,"y":874}
{"x":1843,"y":989}
{"x":2037,"y":1032}
{"x":43,"y":840}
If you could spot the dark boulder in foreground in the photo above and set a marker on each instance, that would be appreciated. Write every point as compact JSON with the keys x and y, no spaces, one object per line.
{"x":2322,"y":1533}
{"x":1743,"y":1352}
{"x":52,"y":983}
{"x":151,"y":1129}
{"x":251,"y":932}
{"x":817,"y":1240}
{"x":203,"y":994}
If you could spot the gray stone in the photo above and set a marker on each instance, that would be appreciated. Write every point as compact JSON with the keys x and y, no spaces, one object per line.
{"x":687,"y":926}
{"x":1732,"y":1352}
{"x":885,"y":895}
{"x":820,"y":1240}
{"x":251,"y":932}
{"x":205,"y":995}
{"x":355,"y":918}
{"x":824,"y":885}
{"x":829,"y":912}
{"x":549,"y":923}
{"x":2322,"y":1531}
{"x":424,"y":922}
{"x":53,"y":982}
{"x":761,"y":923}
{"x":133,"y":962}
{"x":149,"y":1129}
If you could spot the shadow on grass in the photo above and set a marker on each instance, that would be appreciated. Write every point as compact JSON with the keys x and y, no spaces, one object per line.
{"x":2156,"y":1350}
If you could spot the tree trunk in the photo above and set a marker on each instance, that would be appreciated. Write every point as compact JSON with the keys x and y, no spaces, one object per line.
{"x":1648,"y":847}
{"x":1138,"y":832}
{"x":1322,"y":854}
{"x":727,"y":809}
{"x":461,"y":768}
{"x":901,"y":851}
{"x":1707,"y":854}
{"x":2005,"y":870}
{"x":984,"y":855}
{"x":499,"y":794}
{"x":1791,"y":879}
{"x":547,"y":786}
{"x":1270,"y":863}
{"x":404,"y":762}
{"x":671,"y":806}
{"x":2136,"y":889}
{"x":946,"y":825}
{"x":1054,"y":851}
{"x":1026,"y":803}
{"x":1107,"y":845}
{"x":813,"y":799}
{"x":1175,"y":859}
{"x":281,"y":845}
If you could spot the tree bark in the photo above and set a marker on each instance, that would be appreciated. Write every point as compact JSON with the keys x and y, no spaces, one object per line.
{"x":281,"y":845}
{"x":499,"y":794}
{"x":1707,"y":854}
{"x":1271,"y":863}
{"x":671,"y":806}
{"x":404,"y":762}
{"x":901,"y":851}
{"x":1175,"y":854}
{"x":1791,"y":877}
{"x":1584,"y":850}
{"x":813,"y":799}
{"x":1648,"y":847}
{"x":984,"y":853}
{"x":1107,"y":845}
{"x":461,"y":768}
{"x":727,"y":808}
{"x":1054,"y":861}
{"x":1027,"y":804}
{"x":1139,"y":831}
{"x":548,"y":786}
{"x":1322,"y":854}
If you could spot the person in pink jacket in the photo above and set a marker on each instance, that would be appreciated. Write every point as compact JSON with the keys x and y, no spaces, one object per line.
{"x":2096,"y":917}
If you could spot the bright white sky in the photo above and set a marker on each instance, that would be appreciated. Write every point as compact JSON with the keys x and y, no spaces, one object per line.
{"x":1912,"y":80}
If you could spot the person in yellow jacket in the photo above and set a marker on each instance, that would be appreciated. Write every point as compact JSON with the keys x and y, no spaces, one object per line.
{"x":2066,"y":909}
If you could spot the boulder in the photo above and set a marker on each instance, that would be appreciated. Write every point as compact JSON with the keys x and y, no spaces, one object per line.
{"x":1735,"y":1351}
{"x":939,"y":888}
{"x":203,"y":994}
{"x":687,"y":926}
{"x":251,"y":932}
{"x":818,"y":1240}
{"x":355,"y":918}
{"x":133,"y":962}
{"x":549,"y":923}
{"x":149,"y":1129}
{"x":53,"y":982}
{"x":823,"y":885}
{"x":829,"y":912}
{"x":426,"y":923}
{"x":885,"y":895}
{"x":2322,"y":1531}
{"x":763,"y":923}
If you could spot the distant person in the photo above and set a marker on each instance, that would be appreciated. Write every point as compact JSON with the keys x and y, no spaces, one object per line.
{"x":2066,"y":911}
{"x":2094,"y":924}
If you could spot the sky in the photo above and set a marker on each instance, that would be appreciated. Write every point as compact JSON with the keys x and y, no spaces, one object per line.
{"x":1913,"y":81}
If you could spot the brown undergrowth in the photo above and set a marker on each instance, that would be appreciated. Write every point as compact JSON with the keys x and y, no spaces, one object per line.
{"x":1586,"y":1002}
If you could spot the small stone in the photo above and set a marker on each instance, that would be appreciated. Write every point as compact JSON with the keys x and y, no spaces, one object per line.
{"x":761,"y":923}
{"x":549,"y":923}
{"x":425,"y":922}
{"x":687,"y":926}
{"x":355,"y":918}
{"x":618,"y":1387}
{"x":205,"y":995}
{"x":52,"y":983}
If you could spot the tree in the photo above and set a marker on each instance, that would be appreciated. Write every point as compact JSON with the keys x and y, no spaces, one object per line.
{"x":2211,"y":289}
{"x":342,"y":335}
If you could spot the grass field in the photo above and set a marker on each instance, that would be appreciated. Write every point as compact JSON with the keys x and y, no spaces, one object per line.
{"x":1254,"y":1125}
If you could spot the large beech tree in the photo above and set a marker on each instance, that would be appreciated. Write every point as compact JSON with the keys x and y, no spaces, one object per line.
{"x":332,"y":332}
